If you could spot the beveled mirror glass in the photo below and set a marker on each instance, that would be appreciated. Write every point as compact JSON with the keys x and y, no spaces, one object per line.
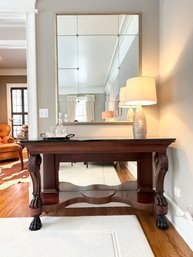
{"x":96,"y":54}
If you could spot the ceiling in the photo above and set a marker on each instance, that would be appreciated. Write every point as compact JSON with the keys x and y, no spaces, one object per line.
{"x":12,"y":41}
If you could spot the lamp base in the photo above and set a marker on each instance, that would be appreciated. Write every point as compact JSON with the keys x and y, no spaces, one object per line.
{"x":139,"y":123}
{"x":130,"y":114}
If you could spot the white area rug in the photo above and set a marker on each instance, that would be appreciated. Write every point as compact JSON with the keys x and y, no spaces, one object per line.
{"x":88,"y":236}
{"x":79,"y":174}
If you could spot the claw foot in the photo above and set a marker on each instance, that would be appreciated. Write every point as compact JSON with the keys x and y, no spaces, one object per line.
{"x":161,"y":222}
{"x":35,"y":224}
{"x":160,"y":200}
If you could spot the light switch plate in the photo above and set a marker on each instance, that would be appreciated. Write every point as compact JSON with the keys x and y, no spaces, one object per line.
{"x":43,"y":113}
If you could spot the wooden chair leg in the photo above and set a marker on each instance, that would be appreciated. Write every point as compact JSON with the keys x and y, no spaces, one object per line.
{"x":21,"y":157}
{"x":86,"y":163}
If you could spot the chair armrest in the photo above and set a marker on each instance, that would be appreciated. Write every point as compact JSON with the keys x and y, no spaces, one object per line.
{"x":8,"y":139}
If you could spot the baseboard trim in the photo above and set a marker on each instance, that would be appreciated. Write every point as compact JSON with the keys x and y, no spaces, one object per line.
{"x":177,"y":217}
{"x":132,"y":166}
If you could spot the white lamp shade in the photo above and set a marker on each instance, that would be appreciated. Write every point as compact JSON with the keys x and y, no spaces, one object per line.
{"x":141,"y":90}
{"x":122,"y":95}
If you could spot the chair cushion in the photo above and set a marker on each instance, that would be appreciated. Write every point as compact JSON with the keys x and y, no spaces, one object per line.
{"x":11,"y":147}
{"x":7,"y":140}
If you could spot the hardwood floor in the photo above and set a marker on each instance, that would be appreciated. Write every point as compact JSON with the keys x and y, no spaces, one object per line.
{"x":14,"y":202}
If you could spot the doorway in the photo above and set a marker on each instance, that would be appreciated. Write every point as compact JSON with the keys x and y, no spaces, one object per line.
{"x":13,"y":13}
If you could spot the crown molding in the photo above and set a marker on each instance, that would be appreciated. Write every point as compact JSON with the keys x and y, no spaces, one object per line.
{"x":13,"y":72}
{"x":12,"y":20}
{"x":13,"y":44}
{"x":17,"y":6}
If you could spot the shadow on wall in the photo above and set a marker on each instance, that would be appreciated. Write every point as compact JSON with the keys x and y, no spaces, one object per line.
{"x":179,"y":175}
{"x":174,"y":67}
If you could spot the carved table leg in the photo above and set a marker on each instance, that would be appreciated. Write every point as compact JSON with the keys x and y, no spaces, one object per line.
{"x":35,"y":224}
{"x":160,"y":202}
{"x":36,"y":203}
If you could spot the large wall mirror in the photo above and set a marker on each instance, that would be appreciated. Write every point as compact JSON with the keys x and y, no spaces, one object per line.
{"x":96,"y":54}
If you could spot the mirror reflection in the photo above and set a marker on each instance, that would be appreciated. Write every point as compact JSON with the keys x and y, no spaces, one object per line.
{"x":117,"y":175}
{"x":96,"y":54}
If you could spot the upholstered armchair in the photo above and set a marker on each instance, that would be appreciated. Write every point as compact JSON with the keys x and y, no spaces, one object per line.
{"x":9,"y":149}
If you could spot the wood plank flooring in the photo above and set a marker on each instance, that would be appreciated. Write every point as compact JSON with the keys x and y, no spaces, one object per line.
{"x":14,"y":202}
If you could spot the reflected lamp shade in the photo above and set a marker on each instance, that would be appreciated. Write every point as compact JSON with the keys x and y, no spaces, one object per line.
{"x":140,"y":91}
{"x":122,"y":96}
{"x":107,"y":115}
{"x":123,"y":104}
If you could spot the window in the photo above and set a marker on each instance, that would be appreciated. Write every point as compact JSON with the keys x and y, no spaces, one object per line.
{"x":81,"y":109}
{"x":19,"y":109}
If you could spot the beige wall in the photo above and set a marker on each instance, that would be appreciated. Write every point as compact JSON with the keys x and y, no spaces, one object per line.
{"x":176,"y":94}
{"x":167,"y":40}
{"x":3,"y":95}
{"x":46,"y":55}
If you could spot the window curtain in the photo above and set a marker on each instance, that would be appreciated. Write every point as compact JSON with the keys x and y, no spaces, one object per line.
{"x":90,"y":108}
{"x":71,"y":108}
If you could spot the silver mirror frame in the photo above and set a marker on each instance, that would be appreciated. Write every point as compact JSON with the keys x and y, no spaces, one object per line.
{"x":56,"y":71}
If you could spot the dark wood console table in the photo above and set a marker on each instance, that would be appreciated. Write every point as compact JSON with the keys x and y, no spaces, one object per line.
{"x":48,"y":197}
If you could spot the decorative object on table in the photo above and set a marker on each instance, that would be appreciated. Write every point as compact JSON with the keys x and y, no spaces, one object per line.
{"x":57,"y":138}
{"x":123,"y":104}
{"x":107,"y":115}
{"x":140,"y":91}
{"x":23,"y":134}
{"x":60,"y":129}
{"x":24,"y":130}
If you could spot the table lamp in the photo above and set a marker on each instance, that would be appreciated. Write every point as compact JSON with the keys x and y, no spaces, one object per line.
{"x":140,"y":91}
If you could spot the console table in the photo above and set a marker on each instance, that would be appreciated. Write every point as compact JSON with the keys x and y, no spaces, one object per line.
{"x":48,"y":197}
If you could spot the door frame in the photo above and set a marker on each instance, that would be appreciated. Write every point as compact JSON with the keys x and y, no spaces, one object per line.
{"x":27,"y":8}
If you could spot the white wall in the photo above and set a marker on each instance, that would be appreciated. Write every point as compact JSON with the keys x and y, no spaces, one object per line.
{"x":46,"y":75}
{"x":176,"y":96}
{"x":176,"y":93}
